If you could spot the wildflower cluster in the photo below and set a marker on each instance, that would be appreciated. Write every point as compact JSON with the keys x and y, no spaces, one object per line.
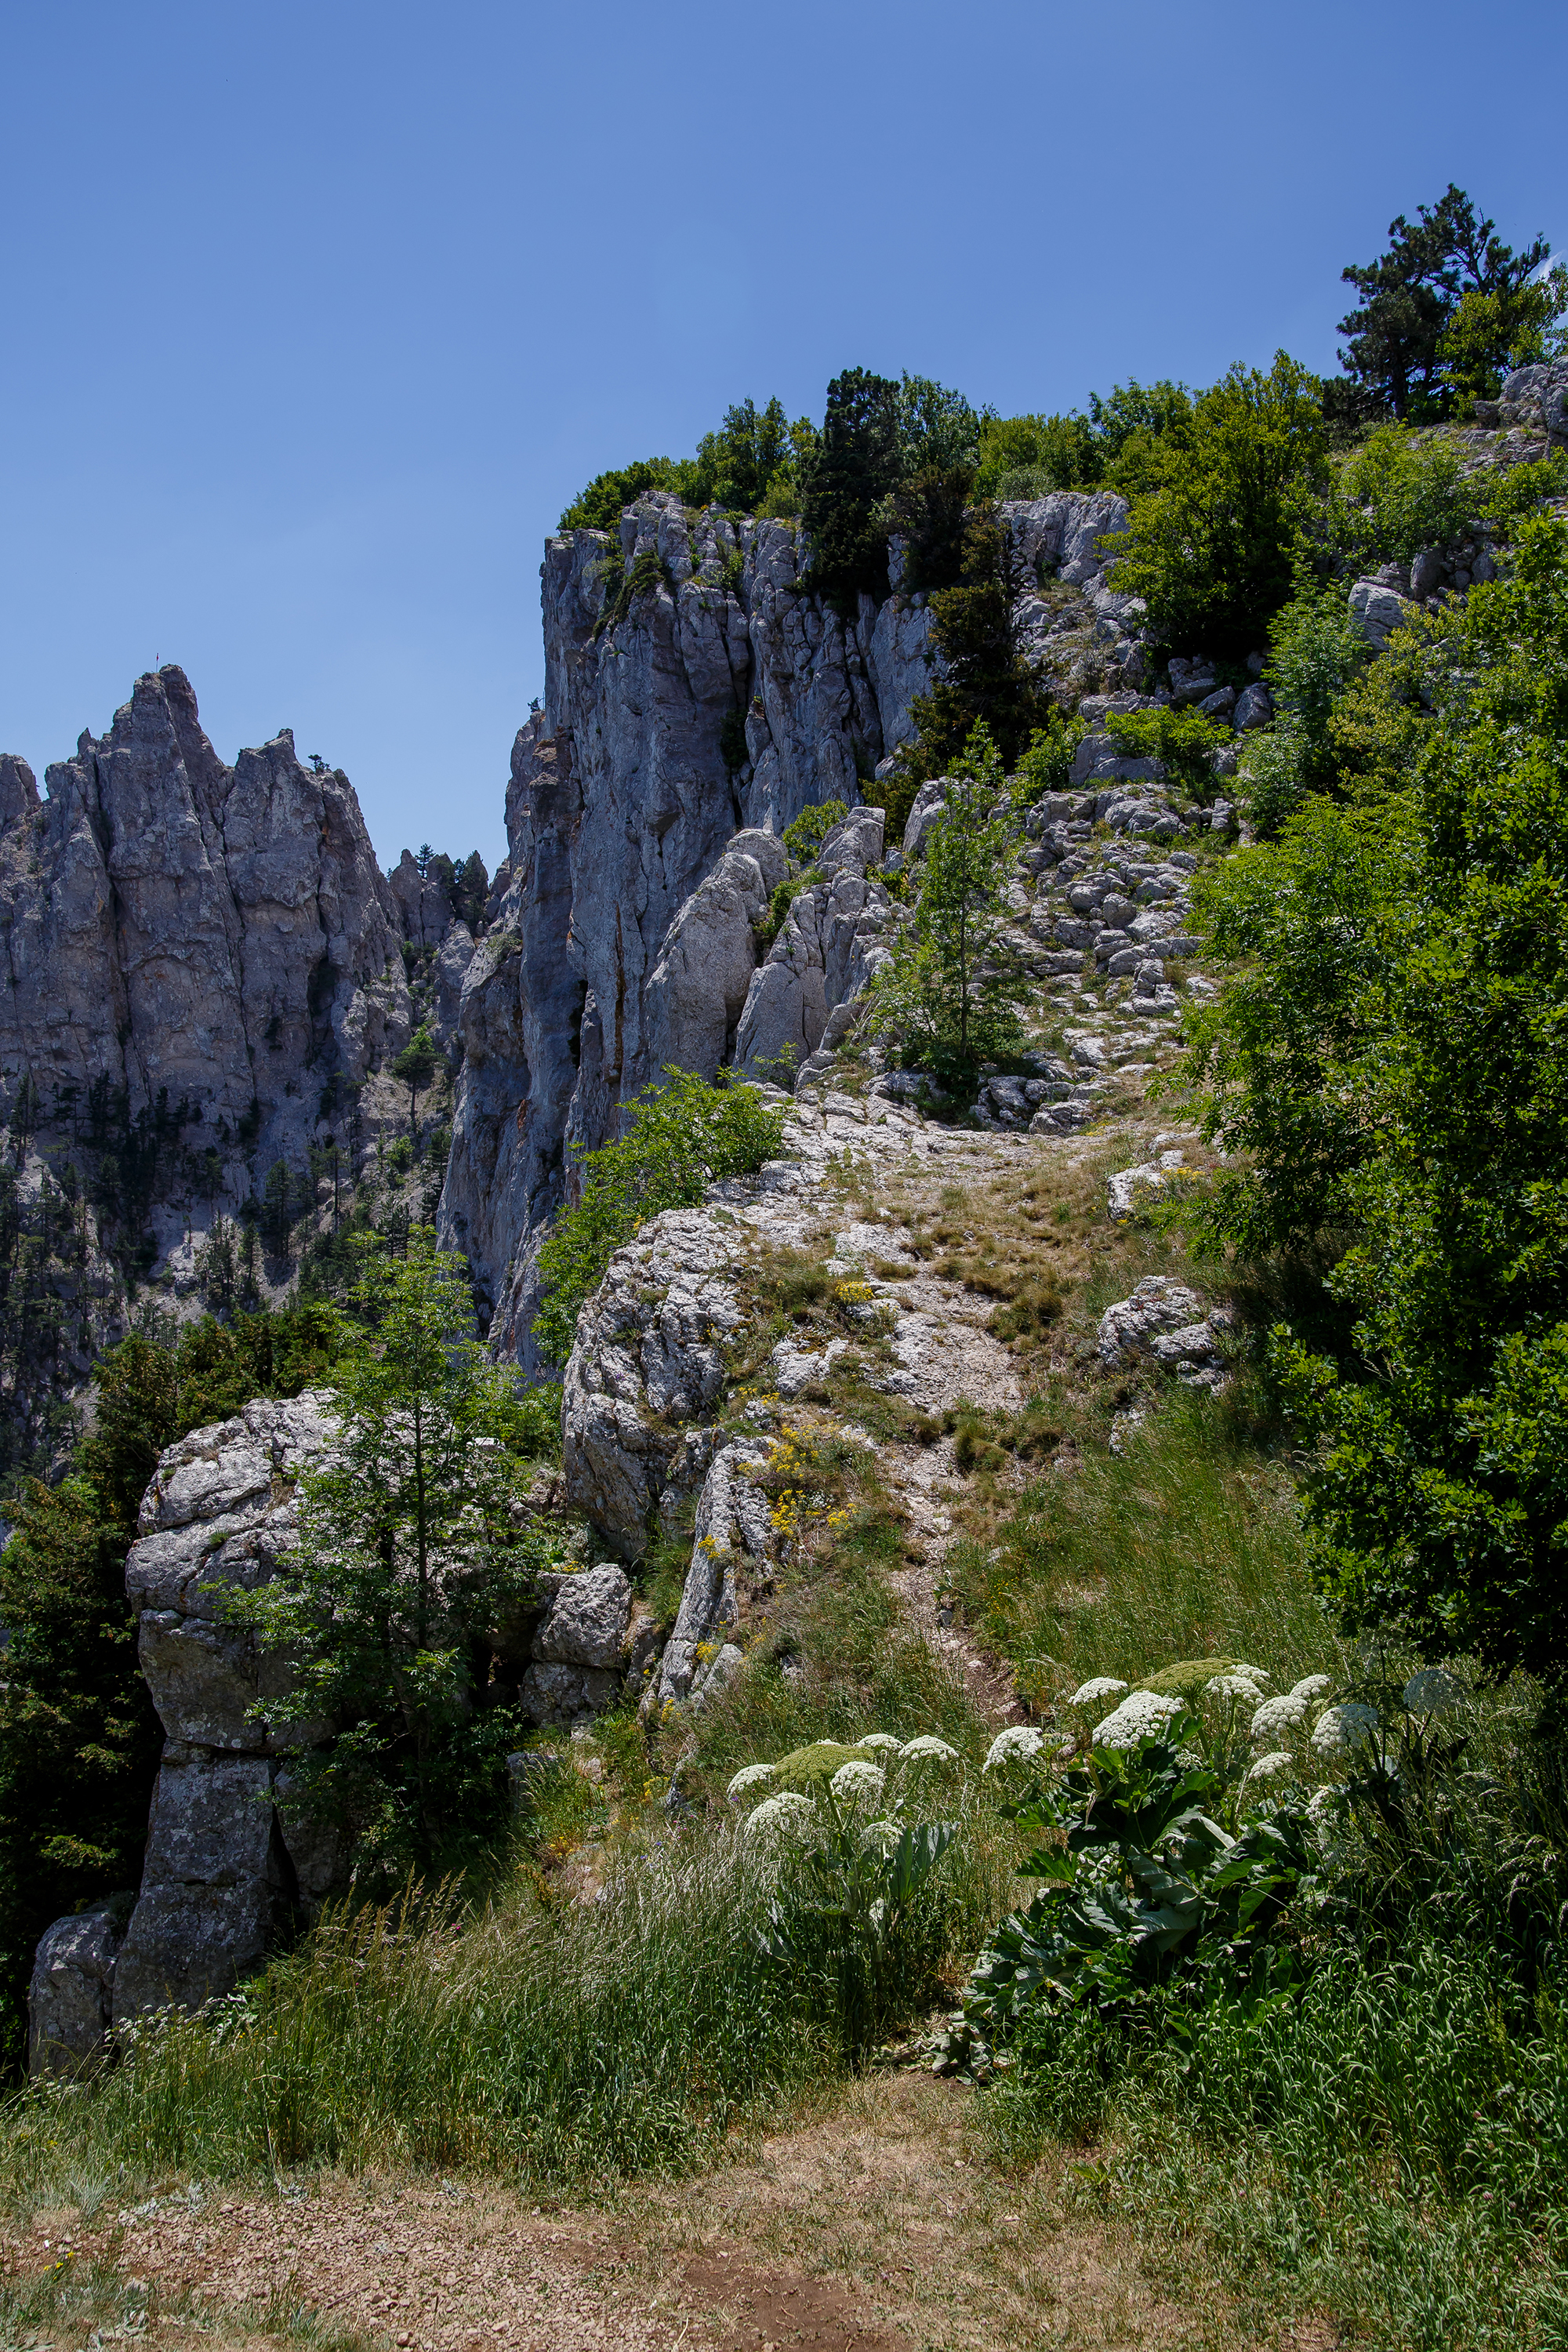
{"x":853,"y":1848}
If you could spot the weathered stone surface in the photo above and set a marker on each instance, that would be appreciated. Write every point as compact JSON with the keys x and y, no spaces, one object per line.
{"x":1377,"y":611}
{"x":649,"y":1351}
{"x":188,"y":1943}
{"x":1159,"y":1303}
{"x":831,"y":947}
{"x":218,"y":938}
{"x":1537,"y":398}
{"x":554,"y":1692}
{"x":732,"y":1524}
{"x":225,"y":1871}
{"x":1068,"y":535}
{"x":1165,"y":1322}
{"x":586,"y":1624}
{"x":71,"y":1999}
{"x":600,"y":961}
{"x":697,"y":988}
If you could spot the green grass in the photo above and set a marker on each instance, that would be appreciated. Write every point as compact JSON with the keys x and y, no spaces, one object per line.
{"x":1186,"y":1545}
{"x":551,"y":2039}
{"x":1393,"y":2149}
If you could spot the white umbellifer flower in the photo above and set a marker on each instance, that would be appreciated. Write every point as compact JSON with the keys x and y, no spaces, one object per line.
{"x":1433,"y":1691}
{"x":1311,"y":1686}
{"x":1092,"y":1693}
{"x":928,"y":1749}
{"x":884,"y":1836}
{"x":1277,"y":1716}
{"x":1140,"y":1713}
{"x":1235,"y":1685}
{"x":748,"y":1777}
{"x":780,"y":1815}
{"x":1253,"y":1674}
{"x":857,"y":1779}
{"x":1019,"y":1739}
{"x":1267,"y":1766}
{"x":1349,"y":1725}
{"x":876,"y":1740}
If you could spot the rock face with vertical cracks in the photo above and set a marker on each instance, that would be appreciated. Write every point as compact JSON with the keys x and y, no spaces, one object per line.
{"x":227,"y":1870}
{"x":181,"y":937}
{"x":695,"y":699}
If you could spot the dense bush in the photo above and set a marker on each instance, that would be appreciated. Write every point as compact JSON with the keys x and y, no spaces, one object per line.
{"x":414,"y":1548}
{"x":1389,"y":1052}
{"x":844,"y":479}
{"x":1183,"y":740}
{"x":949,"y":992}
{"x":1218,"y":508}
{"x":1398,"y":495}
{"x":1315,"y":651}
{"x":983,"y":680}
{"x":685,"y":1135}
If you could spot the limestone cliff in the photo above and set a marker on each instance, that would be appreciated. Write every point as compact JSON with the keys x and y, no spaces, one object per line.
{"x":196,"y":961}
{"x":693,"y":693}
{"x":696,"y":701}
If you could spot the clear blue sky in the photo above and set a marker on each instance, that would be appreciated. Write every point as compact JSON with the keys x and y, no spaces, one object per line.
{"x":316,"y":315}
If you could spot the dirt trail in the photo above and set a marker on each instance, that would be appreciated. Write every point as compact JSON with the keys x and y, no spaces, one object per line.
{"x":874,"y":2226}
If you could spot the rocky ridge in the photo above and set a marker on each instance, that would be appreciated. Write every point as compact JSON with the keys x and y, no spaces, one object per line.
{"x":695,"y":699}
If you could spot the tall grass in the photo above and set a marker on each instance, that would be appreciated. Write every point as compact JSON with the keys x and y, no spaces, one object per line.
{"x":1186,"y":1544}
{"x":551,"y":2037}
{"x":1393,"y":2147}
{"x":554,"y":2039}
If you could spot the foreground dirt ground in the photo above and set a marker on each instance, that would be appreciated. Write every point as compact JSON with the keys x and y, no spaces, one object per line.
{"x":873,"y":2225}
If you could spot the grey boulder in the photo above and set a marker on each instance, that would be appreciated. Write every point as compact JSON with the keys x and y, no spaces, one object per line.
{"x":70,"y":2000}
{"x":586,"y":1621}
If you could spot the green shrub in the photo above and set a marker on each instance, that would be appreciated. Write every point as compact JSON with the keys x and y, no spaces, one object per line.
{"x":1514,"y":496}
{"x":983,"y":678}
{"x":1388,"y":1045}
{"x":1146,"y":1890}
{"x":1184,"y":740}
{"x":79,"y":1737}
{"x":600,"y":506}
{"x":805,"y":833}
{"x":1059,"y":453}
{"x":685,"y":1135}
{"x":413,"y":1548}
{"x":1315,"y":652}
{"x":929,"y":510}
{"x":1047,"y":765}
{"x":844,"y":478}
{"x":1218,"y":509}
{"x":938,"y":430}
{"x":1398,"y":495}
{"x":950,"y":991}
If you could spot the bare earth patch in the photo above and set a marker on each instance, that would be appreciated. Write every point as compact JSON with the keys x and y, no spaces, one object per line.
{"x":872,"y":2227}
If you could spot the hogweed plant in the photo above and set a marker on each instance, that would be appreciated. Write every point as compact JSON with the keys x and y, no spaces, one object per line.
{"x":1184,"y":1831}
{"x":856,"y":1850}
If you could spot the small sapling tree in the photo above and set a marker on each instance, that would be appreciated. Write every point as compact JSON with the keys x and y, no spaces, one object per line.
{"x":414,"y":1069}
{"x":951,"y":992}
{"x":415,"y":1543}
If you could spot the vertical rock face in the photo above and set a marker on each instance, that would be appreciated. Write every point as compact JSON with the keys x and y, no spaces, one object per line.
{"x":225,"y":1871}
{"x":695,"y":700}
{"x":176,"y":931}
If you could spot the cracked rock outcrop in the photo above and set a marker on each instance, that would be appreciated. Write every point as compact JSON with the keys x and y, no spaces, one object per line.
{"x":212,"y":944}
{"x":226,"y":1869}
{"x":679,"y":646}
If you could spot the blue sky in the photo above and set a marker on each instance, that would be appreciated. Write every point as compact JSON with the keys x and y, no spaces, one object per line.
{"x":316,"y":315}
